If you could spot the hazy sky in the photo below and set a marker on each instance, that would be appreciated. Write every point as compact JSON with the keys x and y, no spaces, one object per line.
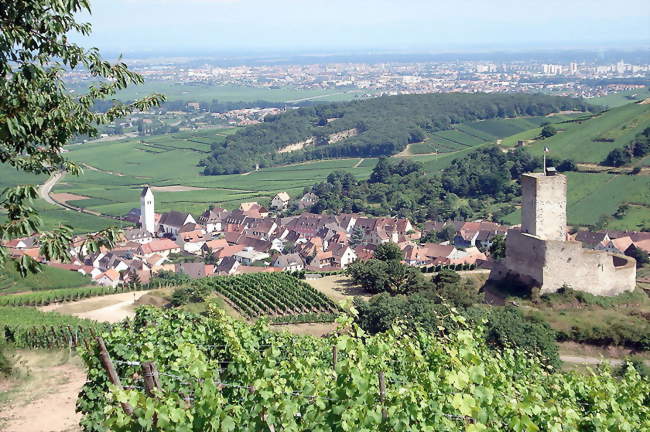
{"x":320,"y":25}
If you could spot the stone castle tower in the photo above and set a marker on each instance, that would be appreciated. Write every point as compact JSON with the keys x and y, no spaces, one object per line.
{"x":543,"y":210}
{"x":147,"y":218}
{"x":539,"y":255}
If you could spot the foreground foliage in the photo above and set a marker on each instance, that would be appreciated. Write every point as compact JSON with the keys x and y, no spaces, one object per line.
{"x":24,"y":327}
{"x":39,"y":115}
{"x":220,"y":374}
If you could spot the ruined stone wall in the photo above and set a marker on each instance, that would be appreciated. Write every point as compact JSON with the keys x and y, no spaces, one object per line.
{"x":550,"y":264}
{"x":543,"y":211}
{"x":586,"y":270}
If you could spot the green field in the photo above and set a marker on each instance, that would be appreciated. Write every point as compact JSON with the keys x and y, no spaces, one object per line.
{"x":621,"y":98}
{"x":49,"y":278}
{"x":171,"y":160}
{"x":472,"y":134}
{"x":592,"y":195}
{"x":203,"y":92}
{"x":591,"y":140}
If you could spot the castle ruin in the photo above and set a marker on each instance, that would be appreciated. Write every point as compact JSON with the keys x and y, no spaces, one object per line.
{"x":539,"y":255}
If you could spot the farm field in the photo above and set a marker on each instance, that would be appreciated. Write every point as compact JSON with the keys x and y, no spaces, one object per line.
{"x":472,"y":134}
{"x":50,"y":278}
{"x":172,"y":161}
{"x":201,"y":92}
{"x":283,"y":298}
{"x":592,"y":139}
{"x":621,"y":98}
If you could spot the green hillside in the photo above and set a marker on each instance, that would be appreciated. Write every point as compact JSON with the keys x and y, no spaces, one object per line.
{"x":49,"y":278}
{"x":591,"y":140}
{"x":471,"y":134}
{"x":376,"y":127}
{"x":592,"y":195}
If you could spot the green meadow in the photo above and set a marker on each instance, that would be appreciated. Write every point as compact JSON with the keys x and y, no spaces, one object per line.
{"x":472,"y":134}
{"x":592,"y":139}
{"x":204,"y":92}
{"x":593,"y":195}
{"x":621,"y":98}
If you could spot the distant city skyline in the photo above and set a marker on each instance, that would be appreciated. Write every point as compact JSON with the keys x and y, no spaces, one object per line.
{"x":195,"y":26}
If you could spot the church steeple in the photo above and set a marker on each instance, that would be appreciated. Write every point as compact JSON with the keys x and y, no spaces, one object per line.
{"x":147,"y":219}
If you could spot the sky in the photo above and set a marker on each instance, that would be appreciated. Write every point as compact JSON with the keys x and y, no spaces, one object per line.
{"x":212,"y":26}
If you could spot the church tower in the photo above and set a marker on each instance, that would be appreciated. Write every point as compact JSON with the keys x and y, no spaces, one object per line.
{"x":147,"y":219}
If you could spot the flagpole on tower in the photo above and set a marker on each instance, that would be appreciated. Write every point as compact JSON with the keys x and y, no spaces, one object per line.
{"x":546,"y":150}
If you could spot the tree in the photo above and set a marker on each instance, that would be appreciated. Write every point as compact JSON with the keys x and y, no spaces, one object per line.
{"x":548,"y":131}
{"x":393,"y":277}
{"x":617,"y":157}
{"x":498,"y":247}
{"x":39,"y":115}
{"x":508,"y":327}
{"x":639,"y":255}
{"x":388,"y":252}
{"x":356,"y":236}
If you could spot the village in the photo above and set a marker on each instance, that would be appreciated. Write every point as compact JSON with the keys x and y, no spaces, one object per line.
{"x":254,"y":239}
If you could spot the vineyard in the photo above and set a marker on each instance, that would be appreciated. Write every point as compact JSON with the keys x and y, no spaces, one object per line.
{"x":30,"y":328}
{"x":42,"y":298}
{"x":177,"y":371}
{"x":280,"y":296}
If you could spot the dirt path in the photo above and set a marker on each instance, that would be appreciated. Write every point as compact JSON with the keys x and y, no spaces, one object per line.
{"x":111,"y":308}
{"x":589,"y":360}
{"x":46,"y":188}
{"x":45,"y":400}
{"x":356,"y":165}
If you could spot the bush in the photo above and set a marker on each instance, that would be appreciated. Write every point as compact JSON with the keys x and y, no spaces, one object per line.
{"x":507,"y":326}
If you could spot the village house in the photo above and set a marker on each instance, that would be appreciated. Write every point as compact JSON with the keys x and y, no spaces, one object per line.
{"x":109,"y":278}
{"x":307,"y":200}
{"x":249,"y":256}
{"x":228,"y":266}
{"x":173,"y":221}
{"x":342,"y":255}
{"x":195,"y":270}
{"x":191,"y":241}
{"x":280,"y":201}
{"x":162,"y":247}
{"x":137,"y":235}
{"x":289,"y":262}
{"x":213,"y":219}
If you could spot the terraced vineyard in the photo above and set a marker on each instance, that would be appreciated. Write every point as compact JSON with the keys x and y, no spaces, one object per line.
{"x":471,"y":134}
{"x":277,"y":295}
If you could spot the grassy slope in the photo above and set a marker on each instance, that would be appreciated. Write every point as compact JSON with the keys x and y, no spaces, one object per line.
{"x":169,"y":160}
{"x":49,"y":278}
{"x":592,"y":195}
{"x":622,"y":98}
{"x":576,"y":140}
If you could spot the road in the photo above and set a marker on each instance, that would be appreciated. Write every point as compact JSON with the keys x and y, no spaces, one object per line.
{"x":46,"y":188}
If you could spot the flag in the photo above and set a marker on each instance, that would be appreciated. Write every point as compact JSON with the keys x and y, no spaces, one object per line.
{"x":546,"y":150}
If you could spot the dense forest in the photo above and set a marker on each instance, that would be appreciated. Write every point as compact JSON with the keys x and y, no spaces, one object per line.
{"x":376,"y":127}
{"x":480,"y":184}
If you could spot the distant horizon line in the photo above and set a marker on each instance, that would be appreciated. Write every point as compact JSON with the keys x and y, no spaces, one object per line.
{"x":260,"y":53}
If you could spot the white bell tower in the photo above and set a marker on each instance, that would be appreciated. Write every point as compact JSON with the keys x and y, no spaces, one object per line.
{"x":147,"y":219}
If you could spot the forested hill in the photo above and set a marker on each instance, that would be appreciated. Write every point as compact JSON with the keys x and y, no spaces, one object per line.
{"x":373,"y":127}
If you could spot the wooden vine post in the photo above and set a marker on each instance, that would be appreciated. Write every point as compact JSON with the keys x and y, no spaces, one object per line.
{"x":151,"y":379}
{"x":114,"y":378}
{"x":382,"y":395}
